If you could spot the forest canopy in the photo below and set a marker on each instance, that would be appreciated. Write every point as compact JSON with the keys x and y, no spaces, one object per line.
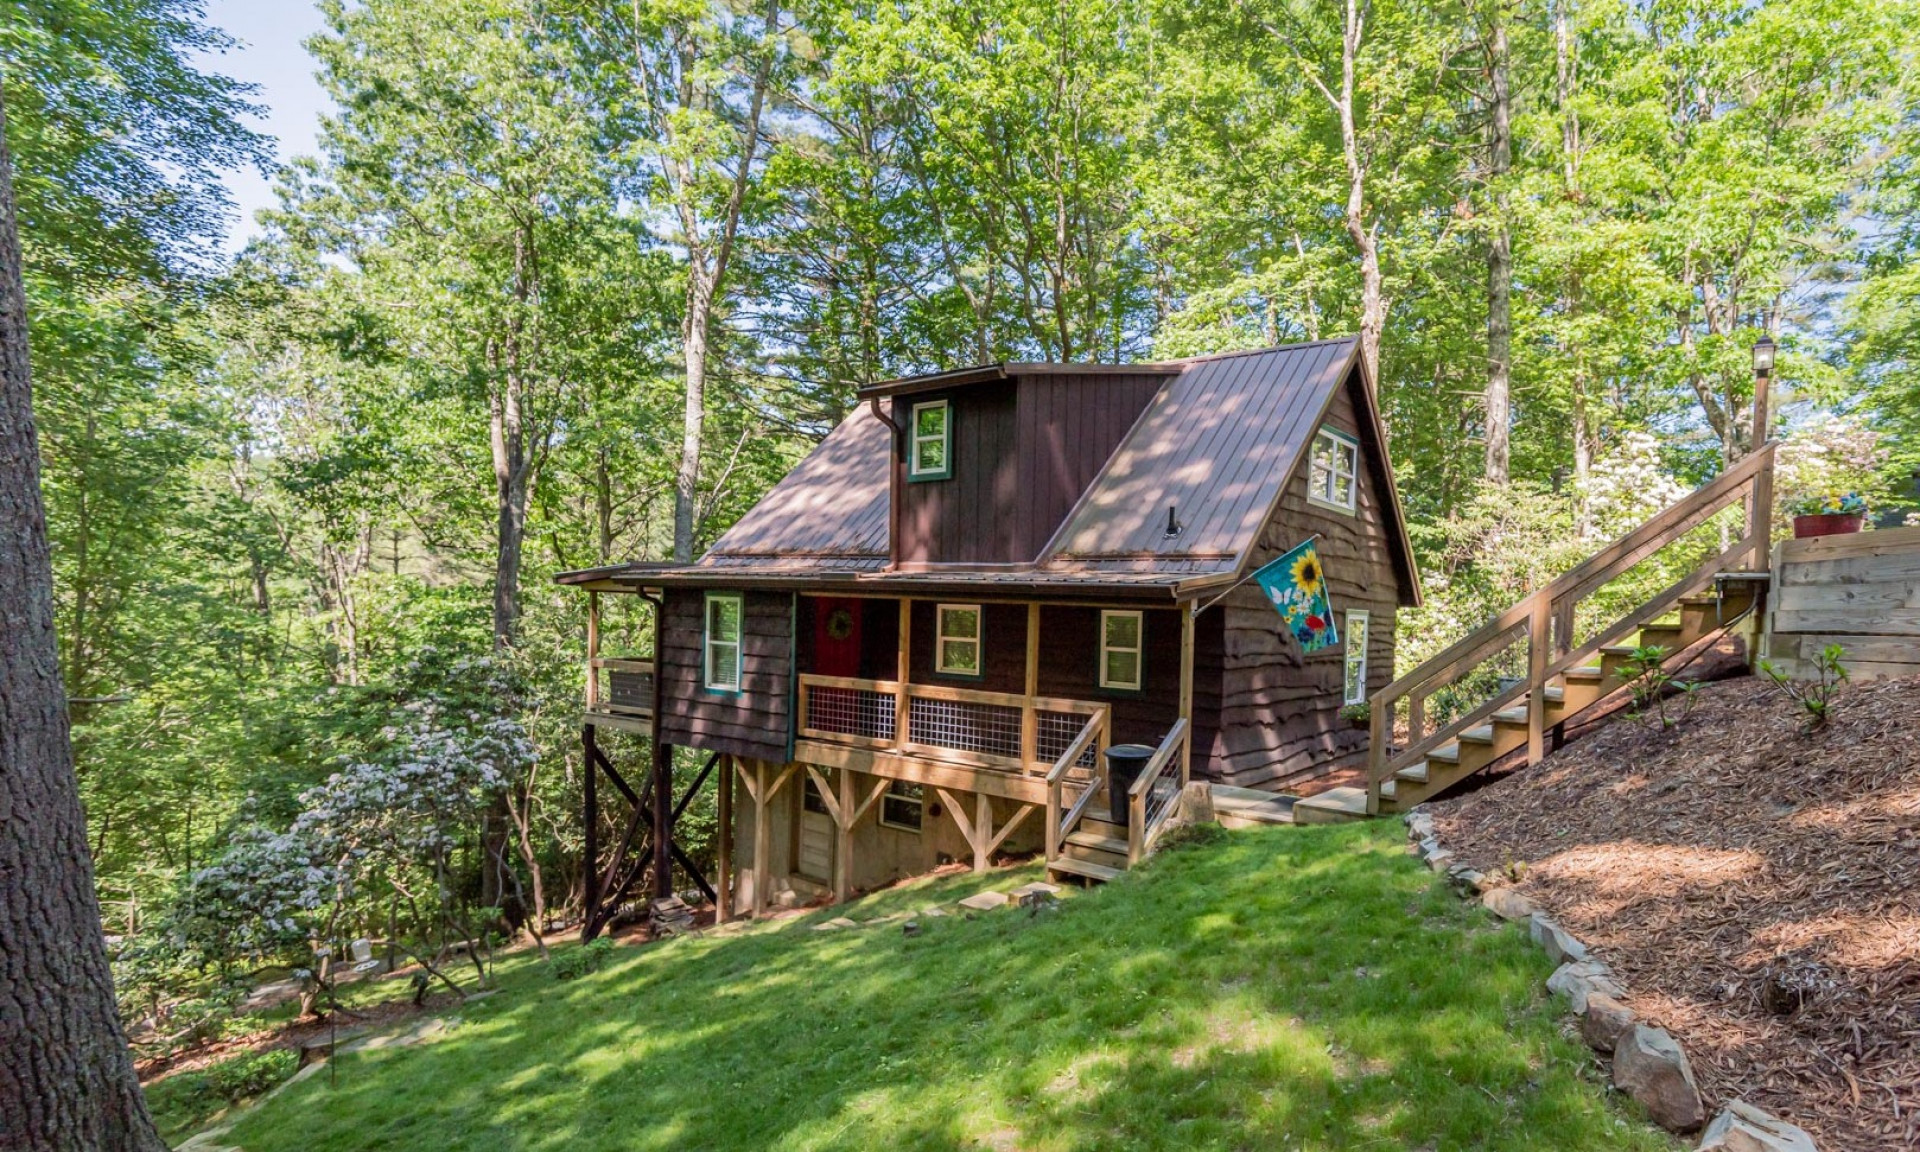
{"x":570,"y":282}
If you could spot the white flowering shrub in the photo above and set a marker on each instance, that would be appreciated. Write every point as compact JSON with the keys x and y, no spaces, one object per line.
{"x":1626,"y":486}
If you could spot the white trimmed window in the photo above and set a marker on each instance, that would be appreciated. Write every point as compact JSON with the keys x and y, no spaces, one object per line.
{"x":1356,"y":659}
{"x":957,"y":640}
{"x":1120,"y":649}
{"x":930,"y":456}
{"x":722,"y":646}
{"x":1333,"y":467}
{"x":903,"y":806}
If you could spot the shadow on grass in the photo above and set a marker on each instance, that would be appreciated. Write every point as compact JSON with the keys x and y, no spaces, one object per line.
{"x":1289,"y":988}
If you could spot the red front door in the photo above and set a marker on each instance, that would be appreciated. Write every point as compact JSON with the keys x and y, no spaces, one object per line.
{"x":836,"y":636}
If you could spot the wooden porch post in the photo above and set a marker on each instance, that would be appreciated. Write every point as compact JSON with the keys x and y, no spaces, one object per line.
{"x":982,"y":829}
{"x":723,"y":882}
{"x":593,"y":650}
{"x":1760,"y":501}
{"x":902,"y":718}
{"x":1186,"y":691}
{"x":1029,"y":715}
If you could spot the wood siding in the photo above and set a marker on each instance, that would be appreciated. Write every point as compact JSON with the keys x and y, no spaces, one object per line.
{"x":1068,"y":427}
{"x":1023,"y":453}
{"x":756,"y":721}
{"x":1277,"y":718}
{"x":970,"y":517}
{"x":1003,"y":653}
{"x":1861,"y":592}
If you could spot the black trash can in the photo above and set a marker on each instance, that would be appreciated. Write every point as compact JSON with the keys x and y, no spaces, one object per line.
{"x":1124,"y":764}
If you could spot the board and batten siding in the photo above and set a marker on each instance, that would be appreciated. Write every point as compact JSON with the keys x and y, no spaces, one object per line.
{"x":1023,"y":452}
{"x":1859,"y":591}
{"x":756,"y":721}
{"x":1278,"y":714}
{"x":1070,"y":669}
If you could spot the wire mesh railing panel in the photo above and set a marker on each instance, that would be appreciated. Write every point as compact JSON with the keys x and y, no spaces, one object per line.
{"x":850,"y":712}
{"x":1054,"y":733}
{"x":632,"y":690}
{"x":993,"y":729}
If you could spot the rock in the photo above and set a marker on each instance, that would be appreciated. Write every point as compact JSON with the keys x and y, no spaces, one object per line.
{"x":1419,"y":826}
{"x":1560,"y":945}
{"x":935,"y":911}
{"x":984,"y":901}
{"x":1741,"y":1127}
{"x":1507,"y":904}
{"x":1488,"y":881}
{"x":1650,"y":1067}
{"x":910,"y":928}
{"x":1439,"y":861}
{"x":1428,"y":846}
{"x":1465,"y":877}
{"x":1581,"y":979}
{"x":836,"y":922}
{"x":1605,"y":1020}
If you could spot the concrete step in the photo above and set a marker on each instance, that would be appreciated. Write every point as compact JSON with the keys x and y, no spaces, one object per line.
{"x":1334,"y":806}
{"x":1085,"y":869}
{"x":1250,"y":807}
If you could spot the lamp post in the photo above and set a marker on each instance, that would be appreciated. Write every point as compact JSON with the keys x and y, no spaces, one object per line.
{"x":1764,"y":350}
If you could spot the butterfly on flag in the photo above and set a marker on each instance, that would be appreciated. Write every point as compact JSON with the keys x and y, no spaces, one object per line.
{"x":1296,"y":586}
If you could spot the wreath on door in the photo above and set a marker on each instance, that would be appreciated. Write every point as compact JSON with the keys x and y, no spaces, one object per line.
{"x":840,"y":624}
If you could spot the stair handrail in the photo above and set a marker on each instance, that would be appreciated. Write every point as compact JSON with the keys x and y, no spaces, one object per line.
{"x":1550,"y":609}
{"x":1058,"y":829}
{"x":1140,"y":832}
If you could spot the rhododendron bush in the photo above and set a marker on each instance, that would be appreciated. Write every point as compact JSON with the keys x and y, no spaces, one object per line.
{"x":381,"y":841}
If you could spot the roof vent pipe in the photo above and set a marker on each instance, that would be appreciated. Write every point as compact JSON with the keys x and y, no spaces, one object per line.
{"x":1173,"y":523}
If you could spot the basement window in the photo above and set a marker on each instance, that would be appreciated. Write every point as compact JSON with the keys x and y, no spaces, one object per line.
{"x":1356,"y":658}
{"x":1120,"y":650}
{"x":930,"y":456}
{"x":903,"y":806}
{"x":957,"y":644}
{"x":1333,"y":466}
{"x":722,"y":641}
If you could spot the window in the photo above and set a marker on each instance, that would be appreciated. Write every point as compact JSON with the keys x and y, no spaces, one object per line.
{"x":810,"y":798}
{"x":723,"y":641}
{"x":901,"y":807}
{"x":1335,"y":462}
{"x":929,"y":457}
{"x":957,"y":644}
{"x":1120,"y":650}
{"x":1356,"y":656}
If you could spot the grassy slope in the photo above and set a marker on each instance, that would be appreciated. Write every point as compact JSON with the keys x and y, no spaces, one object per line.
{"x":1289,"y":988}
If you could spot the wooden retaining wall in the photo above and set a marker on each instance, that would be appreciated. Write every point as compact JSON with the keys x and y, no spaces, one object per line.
{"x":1861,"y":592}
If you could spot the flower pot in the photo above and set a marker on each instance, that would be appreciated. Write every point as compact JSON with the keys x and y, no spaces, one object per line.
{"x":1829,"y":524}
{"x":1358,"y":724}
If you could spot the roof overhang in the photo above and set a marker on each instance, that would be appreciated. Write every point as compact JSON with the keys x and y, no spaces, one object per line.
{"x":985,"y":373}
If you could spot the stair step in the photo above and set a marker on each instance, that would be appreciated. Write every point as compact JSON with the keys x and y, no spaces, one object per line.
{"x":1412,"y":773}
{"x":1246,"y":807}
{"x":1447,"y":753}
{"x":1098,"y":827}
{"x":1389,"y":790}
{"x":1480,"y":735}
{"x":1588,"y":673}
{"x":1081,"y":838}
{"x":1085,"y":869}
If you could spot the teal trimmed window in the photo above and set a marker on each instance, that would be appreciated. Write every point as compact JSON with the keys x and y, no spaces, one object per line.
{"x":930,"y":450}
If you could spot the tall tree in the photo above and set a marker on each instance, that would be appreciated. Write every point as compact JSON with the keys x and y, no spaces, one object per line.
{"x":67,"y":1080}
{"x":1498,"y":56}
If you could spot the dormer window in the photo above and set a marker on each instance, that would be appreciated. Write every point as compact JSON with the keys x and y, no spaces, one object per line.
{"x":1332,"y":469}
{"x":930,"y":455}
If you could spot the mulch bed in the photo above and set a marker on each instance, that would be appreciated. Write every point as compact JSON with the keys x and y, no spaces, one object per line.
{"x":1757,"y":887}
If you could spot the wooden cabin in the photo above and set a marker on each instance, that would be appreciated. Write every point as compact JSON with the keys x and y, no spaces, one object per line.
{"x":917,"y":646}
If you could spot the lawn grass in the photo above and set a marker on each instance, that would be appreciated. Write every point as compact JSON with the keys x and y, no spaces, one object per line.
{"x":1285,"y":988}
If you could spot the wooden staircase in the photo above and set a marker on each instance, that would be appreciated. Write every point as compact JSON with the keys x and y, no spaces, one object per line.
{"x":1563,"y":680}
{"x":1080,"y":843}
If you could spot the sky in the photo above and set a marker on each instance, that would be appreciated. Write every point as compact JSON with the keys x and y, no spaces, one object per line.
{"x":269,"y":56}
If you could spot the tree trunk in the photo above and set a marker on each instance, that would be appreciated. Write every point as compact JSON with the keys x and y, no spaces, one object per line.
{"x":66,"y":1080}
{"x":686,"y":486}
{"x":1373,"y":293}
{"x":1499,"y":253}
{"x":508,"y":439}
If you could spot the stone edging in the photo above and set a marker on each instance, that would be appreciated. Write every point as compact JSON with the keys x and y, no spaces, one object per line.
{"x":1647,"y":1062}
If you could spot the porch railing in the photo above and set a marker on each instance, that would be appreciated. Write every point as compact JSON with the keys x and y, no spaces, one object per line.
{"x":1025,"y":734}
{"x":1544,"y":622}
{"x":620,"y":687}
{"x":1154,"y":799}
{"x":1069,"y":775}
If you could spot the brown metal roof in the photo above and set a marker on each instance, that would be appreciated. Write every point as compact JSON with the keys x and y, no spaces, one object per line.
{"x":832,"y":506}
{"x":1217,"y":443}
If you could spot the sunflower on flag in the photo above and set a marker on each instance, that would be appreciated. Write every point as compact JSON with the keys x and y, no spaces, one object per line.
{"x":1296,"y":586}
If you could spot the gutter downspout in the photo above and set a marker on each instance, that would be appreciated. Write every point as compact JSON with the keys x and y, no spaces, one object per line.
{"x":893,"y":481}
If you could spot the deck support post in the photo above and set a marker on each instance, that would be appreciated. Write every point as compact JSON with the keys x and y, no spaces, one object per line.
{"x":593,"y":651}
{"x":723,"y":862}
{"x":591,"y":819}
{"x":902,"y":713}
{"x":979,"y":831}
{"x":663,"y":798}
{"x":1030,"y":715}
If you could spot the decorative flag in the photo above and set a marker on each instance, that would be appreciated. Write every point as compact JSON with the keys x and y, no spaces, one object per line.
{"x":1297,"y":588}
